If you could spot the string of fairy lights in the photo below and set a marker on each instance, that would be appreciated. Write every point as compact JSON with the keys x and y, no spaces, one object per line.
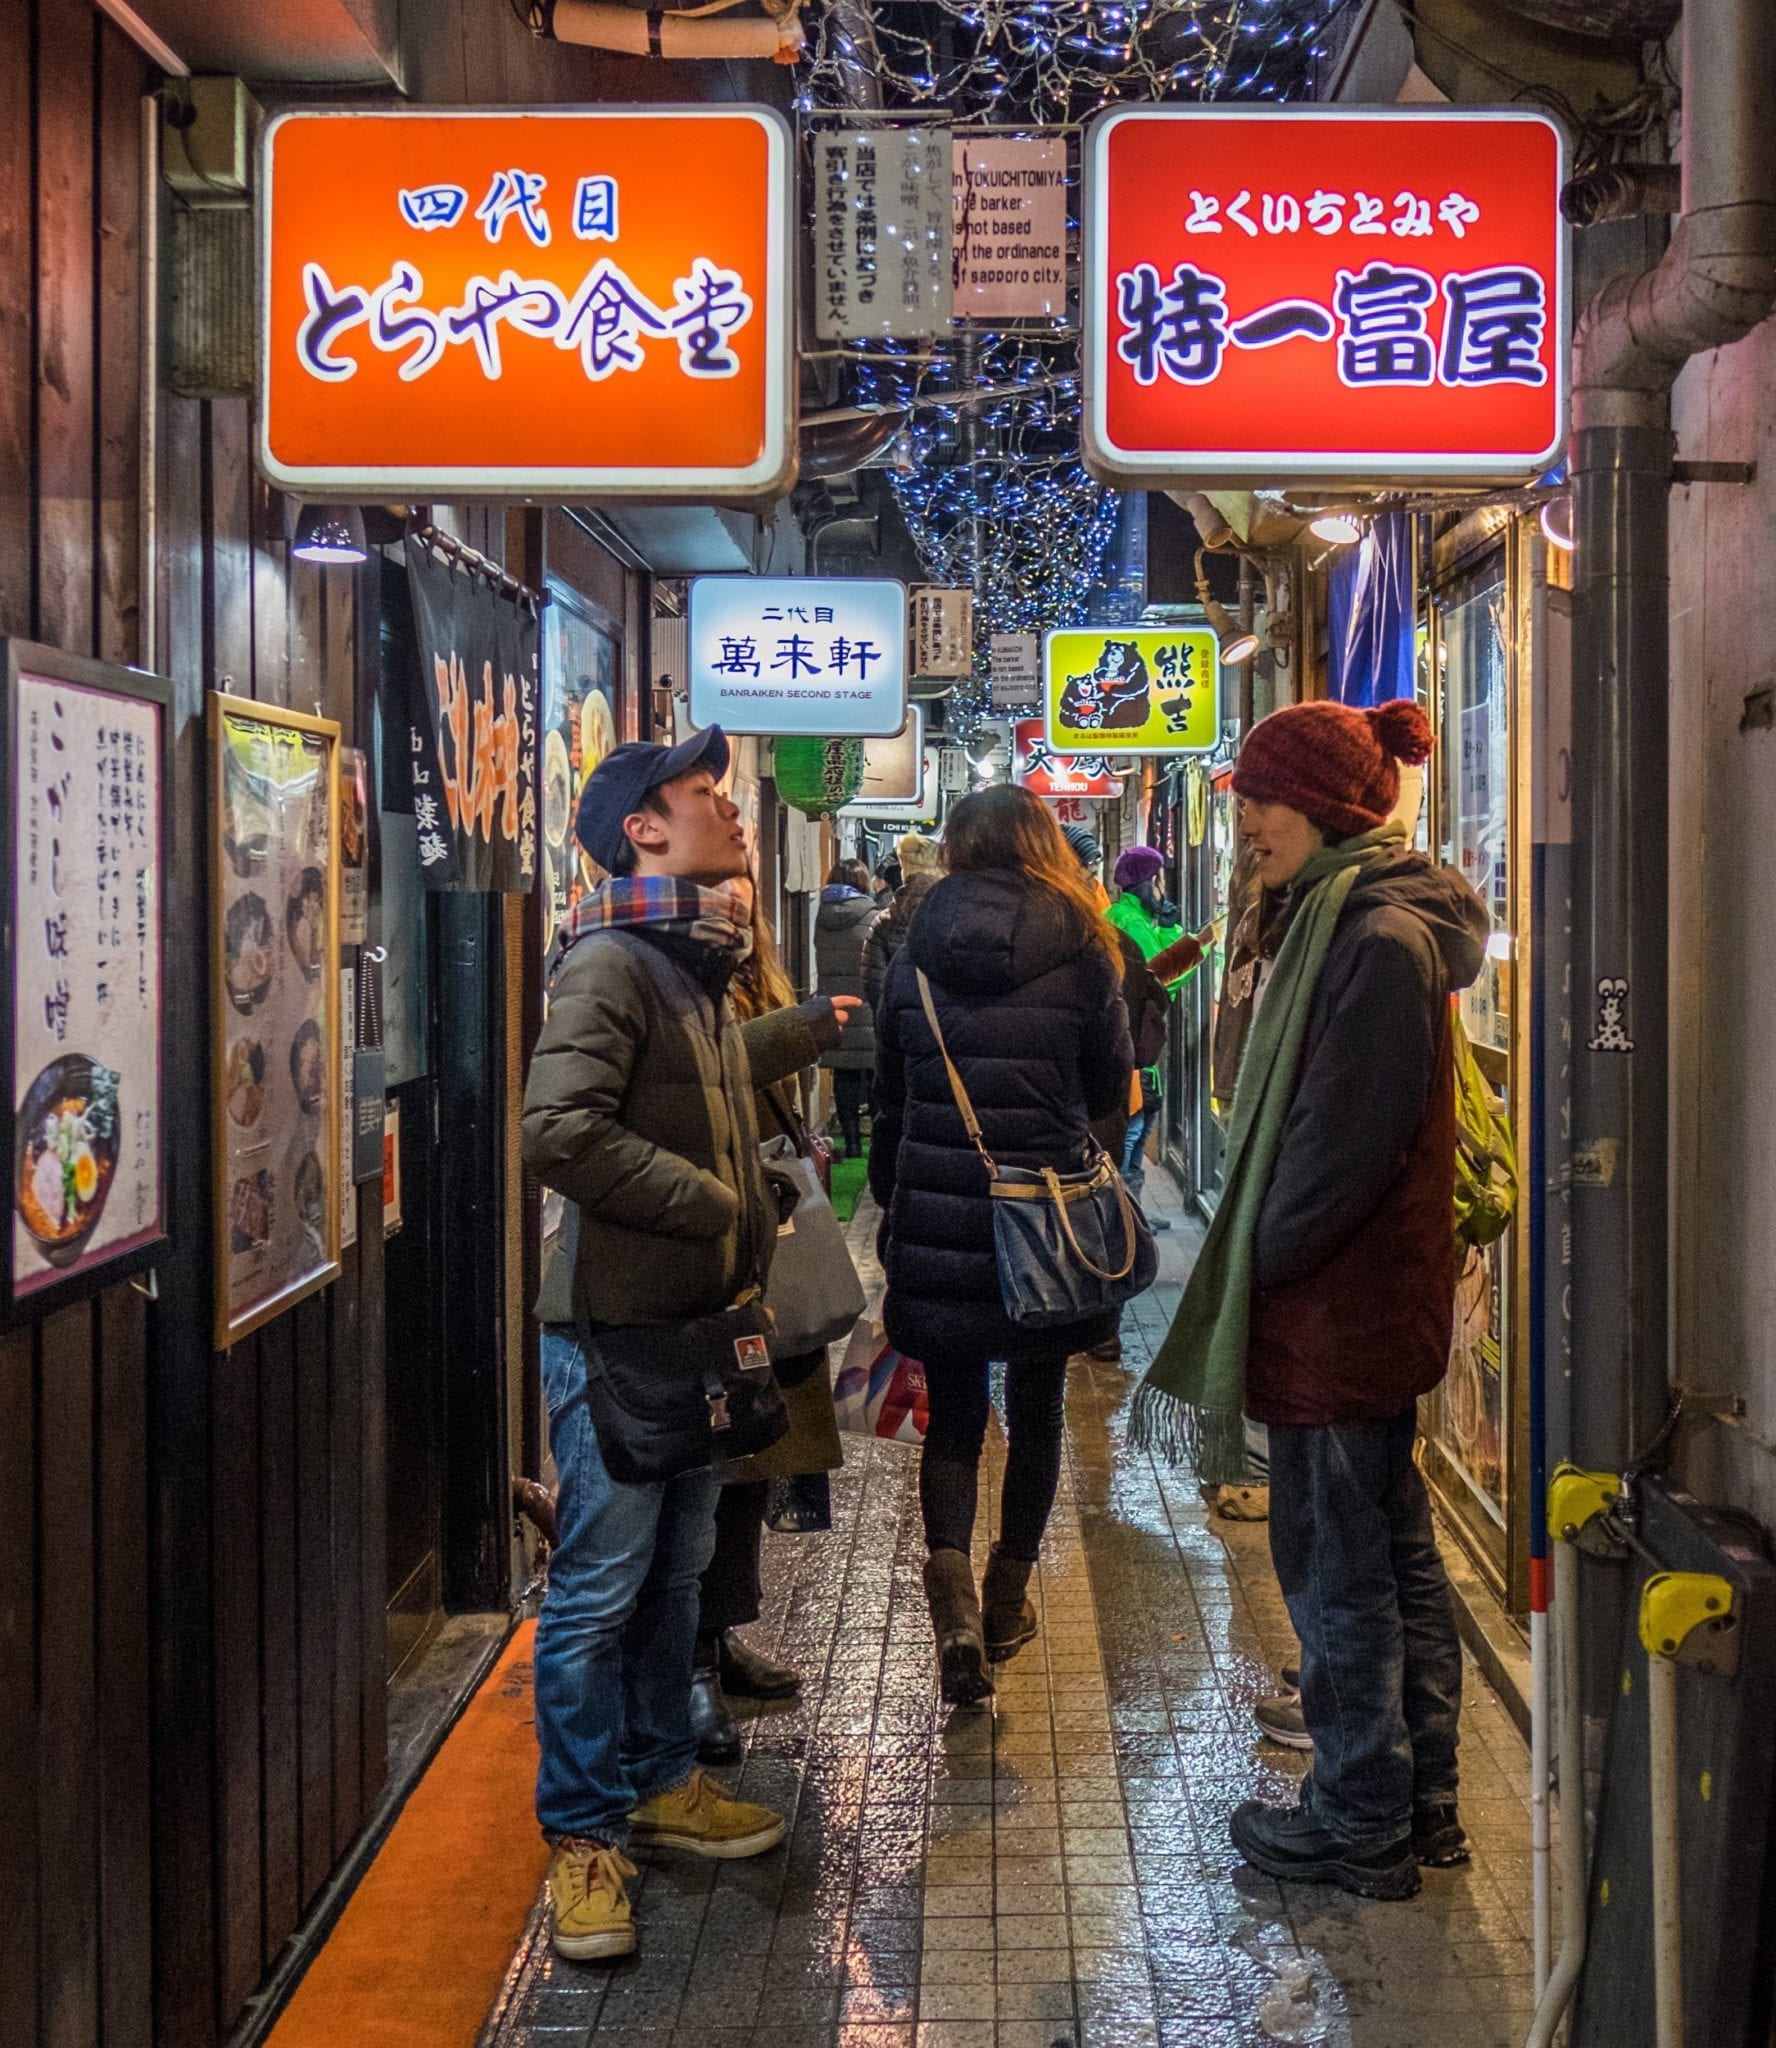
{"x":1061,"y":60}
{"x":1006,"y":506}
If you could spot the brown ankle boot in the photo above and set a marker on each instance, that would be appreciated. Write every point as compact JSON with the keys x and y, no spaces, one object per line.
{"x":1008,"y":1620}
{"x":956,"y":1622}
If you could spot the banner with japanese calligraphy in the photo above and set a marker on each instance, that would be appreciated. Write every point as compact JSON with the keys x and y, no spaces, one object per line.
{"x":818,"y":656}
{"x":1045,"y":773}
{"x":559,"y":302}
{"x":85,"y":779}
{"x":882,"y":233}
{"x":1285,"y":292}
{"x":1131,"y":690}
{"x":471,"y":729}
{"x":274,"y":1003}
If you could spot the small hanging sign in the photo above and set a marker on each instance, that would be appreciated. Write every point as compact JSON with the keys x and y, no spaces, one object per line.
{"x":942,"y":629}
{"x":882,"y":234}
{"x":1015,"y":660}
{"x":1010,"y":205}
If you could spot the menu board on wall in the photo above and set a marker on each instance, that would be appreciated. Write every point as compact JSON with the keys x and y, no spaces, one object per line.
{"x":84,"y":780}
{"x":275,"y":1003}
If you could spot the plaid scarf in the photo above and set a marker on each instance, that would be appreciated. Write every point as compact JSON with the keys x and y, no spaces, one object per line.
{"x":720,"y":918}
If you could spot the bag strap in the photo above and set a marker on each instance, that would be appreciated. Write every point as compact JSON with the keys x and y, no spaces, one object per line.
{"x":1052,"y":1181}
{"x":971,"y":1122}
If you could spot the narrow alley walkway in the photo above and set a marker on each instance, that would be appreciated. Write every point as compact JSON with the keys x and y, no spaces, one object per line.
{"x":1057,"y":1872}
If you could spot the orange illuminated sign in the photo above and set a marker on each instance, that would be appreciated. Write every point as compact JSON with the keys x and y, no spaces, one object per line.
{"x":540,"y":302}
{"x":1276,"y":293}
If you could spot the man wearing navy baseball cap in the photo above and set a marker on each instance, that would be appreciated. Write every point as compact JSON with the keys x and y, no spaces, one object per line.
{"x":639,"y":1110}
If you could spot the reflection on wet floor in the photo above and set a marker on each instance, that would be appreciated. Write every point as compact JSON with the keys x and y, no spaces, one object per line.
{"x":1057,"y":1871}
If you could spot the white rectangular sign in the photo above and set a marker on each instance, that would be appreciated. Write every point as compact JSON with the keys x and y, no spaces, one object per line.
{"x":1016,"y":663}
{"x":820,"y":656}
{"x":943,"y":630}
{"x":894,"y":769}
{"x":1010,"y":204}
{"x":914,"y":808}
{"x":882,"y":233}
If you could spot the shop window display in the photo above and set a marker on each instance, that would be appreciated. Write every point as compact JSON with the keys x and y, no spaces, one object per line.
{"x":1472,"y":653}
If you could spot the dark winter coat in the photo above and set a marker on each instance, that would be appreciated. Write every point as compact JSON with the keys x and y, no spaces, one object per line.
{"x":1354,"y":1272}
{"x":1032,"y":1010}
{"x":639,"y":1109}
{"x":840,"y":926}
{"x":888,"y":934}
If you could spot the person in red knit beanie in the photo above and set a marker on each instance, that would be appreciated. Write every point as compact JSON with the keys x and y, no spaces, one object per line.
{"x":1352,"y":1286}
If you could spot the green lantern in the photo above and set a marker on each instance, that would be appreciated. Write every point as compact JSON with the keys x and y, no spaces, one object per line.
{"x":817,"y":776}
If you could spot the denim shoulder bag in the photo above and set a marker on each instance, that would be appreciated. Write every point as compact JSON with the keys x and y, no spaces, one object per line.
{"x":1068,"y":1246}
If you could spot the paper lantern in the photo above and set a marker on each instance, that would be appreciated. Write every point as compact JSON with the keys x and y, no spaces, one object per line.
{"x":818,"y":776}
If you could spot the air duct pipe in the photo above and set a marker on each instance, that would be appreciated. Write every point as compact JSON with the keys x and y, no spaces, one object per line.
{"x":1715,"y":283}
{"x":667,"y":32}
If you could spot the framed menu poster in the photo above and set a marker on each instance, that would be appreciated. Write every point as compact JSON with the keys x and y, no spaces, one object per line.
{"x":83,"y":820}
{"x":274,"y":999}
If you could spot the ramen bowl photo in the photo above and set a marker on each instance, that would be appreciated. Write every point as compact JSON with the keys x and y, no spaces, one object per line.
{"x":65,"y":1154}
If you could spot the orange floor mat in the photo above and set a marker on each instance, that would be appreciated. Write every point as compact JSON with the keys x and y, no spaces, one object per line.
{"x":425,"y":1940}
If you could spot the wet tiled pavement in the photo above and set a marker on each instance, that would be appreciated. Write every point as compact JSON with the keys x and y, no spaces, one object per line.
{"x":1055,"y":1874}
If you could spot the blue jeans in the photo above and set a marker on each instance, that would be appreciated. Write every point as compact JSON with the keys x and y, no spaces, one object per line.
{"x":1351,"y":1539}
{"x":619,"y":1624}
{"x":1134,"y":1144}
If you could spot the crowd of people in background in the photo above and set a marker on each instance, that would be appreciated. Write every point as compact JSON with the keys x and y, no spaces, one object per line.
{"x":996,"y":1015}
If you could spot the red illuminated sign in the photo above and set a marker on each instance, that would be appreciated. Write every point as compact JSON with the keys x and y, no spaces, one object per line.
{"x":1277,"y":293}
{"x":544,"y":302}
{"x":1045,"y":773}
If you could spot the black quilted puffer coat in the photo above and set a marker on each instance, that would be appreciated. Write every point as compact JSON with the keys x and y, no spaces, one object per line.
{"x":1033,"y":1015}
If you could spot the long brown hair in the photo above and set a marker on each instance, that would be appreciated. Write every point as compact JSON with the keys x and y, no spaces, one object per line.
{"x":1007,"y":827}
{"x":760,"y":983}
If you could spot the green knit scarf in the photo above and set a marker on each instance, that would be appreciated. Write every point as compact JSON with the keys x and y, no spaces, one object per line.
{"x":1191,"y":1402}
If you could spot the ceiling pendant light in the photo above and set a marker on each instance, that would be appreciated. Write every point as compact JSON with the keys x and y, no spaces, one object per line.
{"x":329,"y":533}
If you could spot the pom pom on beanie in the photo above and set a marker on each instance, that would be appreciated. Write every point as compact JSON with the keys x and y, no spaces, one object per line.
{"x":918,"y":855}
{"x":1338,"y":766}
{"x":1403,"y":730}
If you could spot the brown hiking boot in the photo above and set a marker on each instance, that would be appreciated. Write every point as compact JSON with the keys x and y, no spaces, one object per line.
{"x":1008,"y":1620}
{"x":956,"y":1622}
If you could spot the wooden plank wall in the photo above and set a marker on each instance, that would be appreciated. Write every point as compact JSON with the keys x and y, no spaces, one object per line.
{"x":192,"y":1588}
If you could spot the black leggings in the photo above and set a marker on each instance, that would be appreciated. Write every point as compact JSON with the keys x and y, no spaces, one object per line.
{"x":1035,"y":1410}
{"x":730,"y":1586}
{"x":851,"y":1093}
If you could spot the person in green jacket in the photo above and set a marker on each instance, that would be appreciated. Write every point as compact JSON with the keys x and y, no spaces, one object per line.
{"x":1150,"y":919}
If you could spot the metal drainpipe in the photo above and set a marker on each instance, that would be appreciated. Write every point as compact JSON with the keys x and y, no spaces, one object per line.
{"x":1716,"y":281}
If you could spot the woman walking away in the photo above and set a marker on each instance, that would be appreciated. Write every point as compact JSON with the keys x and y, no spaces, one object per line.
{"x":921,"y":863}
{"x":782,"y":1037}
{"x":1026,"y":982}
{"x":847,"y":910}
{"x":1323,"y":1299}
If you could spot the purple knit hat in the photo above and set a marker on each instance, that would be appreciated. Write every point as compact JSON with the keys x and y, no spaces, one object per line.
{"x":1137,"y":864}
